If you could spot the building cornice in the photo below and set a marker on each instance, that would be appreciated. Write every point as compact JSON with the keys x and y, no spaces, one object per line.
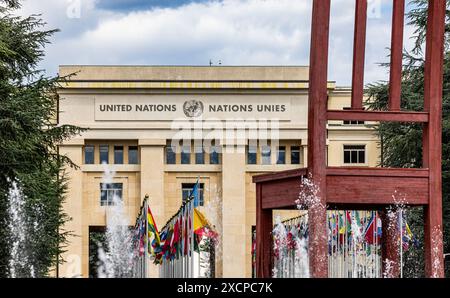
{"x":300,"y":85}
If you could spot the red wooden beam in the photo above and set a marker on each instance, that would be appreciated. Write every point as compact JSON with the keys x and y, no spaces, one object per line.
{"x":376,"y":186}
{"x":263,"y":237}
{"x":377,"y":172}
{"x":297,"y":173}
{"x":317,"y":108}
{"x":377,"y":190}
{"x":388,"y":116}
{"x":432,"y":137}
{"x":359,"y":51}
{"x":280,"y":194}
{"x":390,"y":244}
{"x":352,"y":186}
{"x":395,"y":80}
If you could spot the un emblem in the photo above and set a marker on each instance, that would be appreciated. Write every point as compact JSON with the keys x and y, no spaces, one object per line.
{"x":193,"y":108}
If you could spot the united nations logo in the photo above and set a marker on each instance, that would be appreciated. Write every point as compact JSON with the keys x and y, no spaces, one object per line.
{"x":193,"y":108}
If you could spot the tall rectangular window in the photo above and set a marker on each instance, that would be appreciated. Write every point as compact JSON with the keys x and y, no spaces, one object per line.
{"x":214,"y":156}
{"x":89,"y":154}
{"x":185,"y":155}
{"x":171,"y":157}
{"x":281,"y":155}
{"x":251,"y":155}
{"x":199,"y":155}
{"x":186,"y":190}
{"x":118,"y":155}
{"x":110,"y":193}
{"x":265,"y":155}
{"x":104,"y":154}
{"x":133,"y":155}
{"x":354,"y":154}
{"x":295,"y":155}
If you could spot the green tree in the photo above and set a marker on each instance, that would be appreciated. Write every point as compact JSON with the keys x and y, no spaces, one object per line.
{"x":29,"y":138}
{"x":402,"y":142}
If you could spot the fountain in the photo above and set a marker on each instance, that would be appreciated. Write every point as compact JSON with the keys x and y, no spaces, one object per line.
{"x":19,"y":262}
{"x":116,"y":256}
{"x":290,"y":246}
{"x":354,"y":247}
{"x":213,"y":211}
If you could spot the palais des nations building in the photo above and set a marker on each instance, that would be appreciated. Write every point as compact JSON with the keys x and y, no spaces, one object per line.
{"x":132,"y":114}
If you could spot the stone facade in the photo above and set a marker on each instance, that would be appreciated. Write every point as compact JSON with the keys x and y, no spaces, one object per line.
{"x":149,"y":106}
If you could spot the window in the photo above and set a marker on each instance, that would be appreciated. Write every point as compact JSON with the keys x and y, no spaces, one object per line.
{"x":281,"y":155}
{"x":355,"y":154}
{"x":186,"y":189}
{"x":265,"y":155}
{"x":352,"y":122}
{"x":214,"y":155}
{"x":89,"y":154}
{"x":199,"y":155}
{"x":132,"y":155}
{"x":185,"y":155}
{"x":104,"y":154}
{"x":295,"y":155}
{"x":170,"y":156}
{"x":251,"y":155}
{"x":118,"y":155}
{"x":110,"y":193}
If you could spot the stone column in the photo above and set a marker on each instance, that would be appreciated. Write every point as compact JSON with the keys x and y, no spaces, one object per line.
{"x":304,"y":156}
{"x":76,"y":256}
{"x":233,"y":211}
{"x":152,"y":183}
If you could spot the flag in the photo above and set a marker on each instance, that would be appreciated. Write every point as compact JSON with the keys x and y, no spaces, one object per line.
{"x":195,"y":194}
{"x":407,"y":235}
{"x":175,"y":239}
{"x":349,"y":222}
{"x":200,"y":220}
{"x":186,"y":230}
{"x":358,"y":219}
{"x":202,"y":227}
{"x":254,"y":250}
{"x":334,"y":226}
{"x":154,"y":242}
{"x":166,"y":249}
{"x":370,"y":229}
{"x":341,"y":224}
{"x":141,"y":237}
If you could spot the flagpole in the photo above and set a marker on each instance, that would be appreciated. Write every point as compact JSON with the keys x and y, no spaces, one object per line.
{"x":401,"y":243}
{"x":192,"y":250}
{"x":146,"y":237}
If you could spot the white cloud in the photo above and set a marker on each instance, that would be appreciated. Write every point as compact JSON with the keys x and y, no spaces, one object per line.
{"x":237,"y":32}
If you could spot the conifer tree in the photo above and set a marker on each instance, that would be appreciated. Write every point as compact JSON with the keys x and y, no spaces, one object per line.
{"x":29,"y":138}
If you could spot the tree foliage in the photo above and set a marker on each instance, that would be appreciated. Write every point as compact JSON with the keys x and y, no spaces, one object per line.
{"x":29,"y":138}
{"x":401,"y":143}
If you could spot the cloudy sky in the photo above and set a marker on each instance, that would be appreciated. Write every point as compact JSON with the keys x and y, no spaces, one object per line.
{"x":191,"y":32}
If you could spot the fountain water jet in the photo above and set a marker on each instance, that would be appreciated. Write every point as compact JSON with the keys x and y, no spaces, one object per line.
{"x":116,"y":259}
{"x":19,"y":262}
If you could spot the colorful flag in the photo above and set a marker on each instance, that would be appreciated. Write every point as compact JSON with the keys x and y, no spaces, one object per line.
{"x":341,"y":224}
{"x":186,"y":230}
{"x":195,"y":194}
{"x":154,"y":241}
{"x":175,"y":239}
{"x":407,"y":235}
{"x":202,"y":227}
{"x":141,"y":237}
{"x":370,"y":231}
{"x":200,"y":220}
